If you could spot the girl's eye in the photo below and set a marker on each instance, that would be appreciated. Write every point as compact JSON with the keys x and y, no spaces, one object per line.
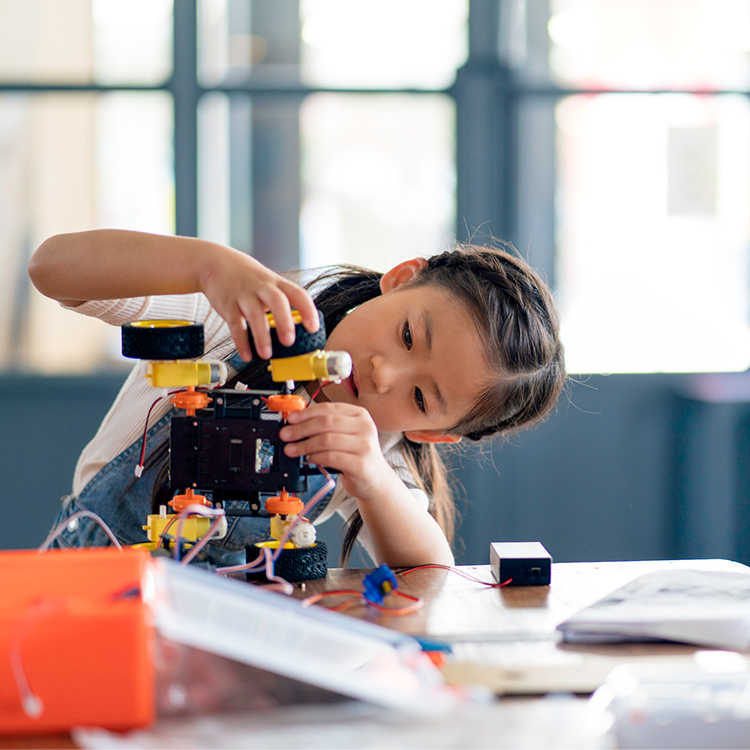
{"x":419,"y":399}
{"x":407,"y":335}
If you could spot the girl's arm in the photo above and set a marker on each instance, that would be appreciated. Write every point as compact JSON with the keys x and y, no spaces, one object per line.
{"x":112,"y":264}
{"x":344,"y":437}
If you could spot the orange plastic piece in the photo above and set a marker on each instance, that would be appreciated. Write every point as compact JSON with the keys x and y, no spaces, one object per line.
{"x":284,"y":504}
{"x":286,"y":403}
{"x":180,"y":502}
{"x":190,"y":400}
{"x":76,"y":622}
{"x":438,"y":658}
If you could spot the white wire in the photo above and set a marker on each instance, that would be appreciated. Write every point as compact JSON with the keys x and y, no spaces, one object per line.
{"x":195,"y":510}
{"x":280,"y":584}
{"x":78,"y":514}
{"x":257,"y":564}
{"x":200,"y":544}
{"x":316,"y":498}
{"x":251,"y":567}
{"x":31,"y":703}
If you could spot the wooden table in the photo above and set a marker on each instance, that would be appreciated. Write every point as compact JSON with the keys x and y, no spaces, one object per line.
{"x":505,"y":637}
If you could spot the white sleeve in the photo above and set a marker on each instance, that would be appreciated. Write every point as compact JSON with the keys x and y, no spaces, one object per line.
{"x":194,"y":307}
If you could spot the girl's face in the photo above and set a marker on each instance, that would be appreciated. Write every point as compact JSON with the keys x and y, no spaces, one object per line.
{"x":418,"y":361}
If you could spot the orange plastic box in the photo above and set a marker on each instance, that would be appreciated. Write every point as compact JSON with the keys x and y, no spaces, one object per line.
{"x":75,"y":640}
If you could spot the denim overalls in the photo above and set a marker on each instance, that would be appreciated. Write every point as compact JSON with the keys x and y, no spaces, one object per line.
{"x":124,"y":503}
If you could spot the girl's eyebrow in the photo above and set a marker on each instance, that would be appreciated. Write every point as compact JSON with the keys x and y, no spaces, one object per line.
{"x":428,"y":329}
{"x":427,"y":323}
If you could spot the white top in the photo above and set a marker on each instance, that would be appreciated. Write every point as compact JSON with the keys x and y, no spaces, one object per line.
{"x":125,"y":421}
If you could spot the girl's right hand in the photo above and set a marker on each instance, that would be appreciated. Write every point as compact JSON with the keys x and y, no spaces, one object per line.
{"x":242,"y":290}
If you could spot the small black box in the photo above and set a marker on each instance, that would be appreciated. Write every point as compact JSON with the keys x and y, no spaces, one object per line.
{"x":526,"y":563}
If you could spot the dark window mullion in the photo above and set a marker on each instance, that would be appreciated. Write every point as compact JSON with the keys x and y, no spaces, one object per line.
{"x":186,"y":93}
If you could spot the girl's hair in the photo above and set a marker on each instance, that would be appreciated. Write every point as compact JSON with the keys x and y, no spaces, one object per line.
{"x":515,"y":316}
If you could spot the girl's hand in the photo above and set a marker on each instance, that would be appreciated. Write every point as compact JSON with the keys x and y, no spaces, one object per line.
{"x":242,"y":291}
{"x":342,"y":437}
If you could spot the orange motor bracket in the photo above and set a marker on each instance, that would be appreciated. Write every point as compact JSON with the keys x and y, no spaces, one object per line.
{"x":284,"y":504}
{"x":286,"y":403}
{"x":76,"y":641}
{"x":190,"y":400}
{"x":180,"y":502}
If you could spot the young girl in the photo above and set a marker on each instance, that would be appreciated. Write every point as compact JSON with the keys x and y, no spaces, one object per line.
{"x":463,"y":344}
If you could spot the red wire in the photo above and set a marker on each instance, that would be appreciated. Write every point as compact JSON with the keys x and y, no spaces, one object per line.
{"x":458,"y":572}
{"x":317,"y":597}
{"x":145,"y":429}
{"x":356,"y":596}
{"x":407,"y":610}
{"x":321,"y":385}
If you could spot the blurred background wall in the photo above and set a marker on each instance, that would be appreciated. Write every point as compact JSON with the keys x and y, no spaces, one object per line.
{"x":608,"y":140}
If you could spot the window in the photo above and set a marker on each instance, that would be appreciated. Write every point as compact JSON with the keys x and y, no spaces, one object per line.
{"x":612,"y":154}
{"x":86,"y":133}
{"x":651,"y":129}
{"x":231,"y":119}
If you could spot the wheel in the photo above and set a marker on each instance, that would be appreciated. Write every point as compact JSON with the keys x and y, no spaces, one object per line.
{"x":296,"y":564}
{"x":162,"y":339}
{"x":304,"y":341}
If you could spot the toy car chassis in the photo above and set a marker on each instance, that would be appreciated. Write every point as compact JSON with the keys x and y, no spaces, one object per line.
{"x":227,"y":444}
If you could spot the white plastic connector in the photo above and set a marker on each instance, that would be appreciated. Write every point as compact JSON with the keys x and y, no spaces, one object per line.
{"x":221,"y":529}
{"x":303,"y":534}
{"x":219,"y":373}
{"x":339,"y":365}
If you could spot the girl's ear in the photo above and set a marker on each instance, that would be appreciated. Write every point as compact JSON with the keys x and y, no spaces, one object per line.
{"x":401,"y":273}
{"x":431,"y":436}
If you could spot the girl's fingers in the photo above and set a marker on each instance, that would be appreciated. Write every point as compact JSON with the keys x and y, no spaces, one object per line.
{"x":238,"y":332}
{"x":303,"y":302}
{"x":326,"y":425}
{"x":260,"y":330}
{"x":279,"y":305}
{"x":328,"y":441}
{"x":317,"y":410}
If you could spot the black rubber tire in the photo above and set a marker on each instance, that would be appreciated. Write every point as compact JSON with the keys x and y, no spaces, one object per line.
{"x":304,"y":341}
{"x":297,"y":564}
{"x":180,"y":341}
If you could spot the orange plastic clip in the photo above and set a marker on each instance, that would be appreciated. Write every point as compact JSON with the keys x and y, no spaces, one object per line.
{"x":284,"y":504}
{"x":190,"y":400}
{"x":286,"y":403}
{"x":180,"y":502}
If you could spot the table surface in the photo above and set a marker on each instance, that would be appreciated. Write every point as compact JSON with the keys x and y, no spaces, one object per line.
{"x":459,"y":610}
{"x":504,"y":638}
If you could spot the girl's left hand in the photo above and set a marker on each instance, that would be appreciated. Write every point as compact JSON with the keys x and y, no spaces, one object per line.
{"x":340,"y":436}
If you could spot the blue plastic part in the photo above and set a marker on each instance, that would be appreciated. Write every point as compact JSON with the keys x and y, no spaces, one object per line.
{"x":378,"y":584}
{"x":428,"y":644}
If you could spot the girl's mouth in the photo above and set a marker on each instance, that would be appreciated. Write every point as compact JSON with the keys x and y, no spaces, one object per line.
{"x":351,"y":385}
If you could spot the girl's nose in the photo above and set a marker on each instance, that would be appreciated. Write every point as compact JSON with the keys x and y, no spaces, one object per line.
{"x":385,"y":373}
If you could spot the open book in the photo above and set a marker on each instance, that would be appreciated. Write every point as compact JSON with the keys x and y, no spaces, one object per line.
{"x":705,"y":608}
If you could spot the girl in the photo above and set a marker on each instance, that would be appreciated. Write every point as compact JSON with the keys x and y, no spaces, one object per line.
{"x":464,"y":344}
